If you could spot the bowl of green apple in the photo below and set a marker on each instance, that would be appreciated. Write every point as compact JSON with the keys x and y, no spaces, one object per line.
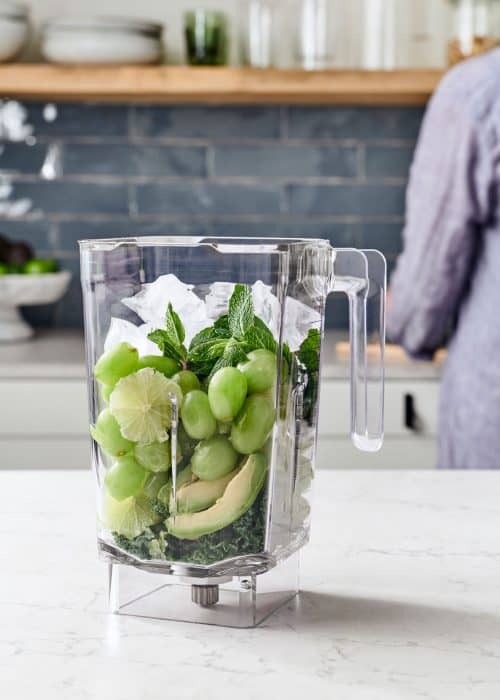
{"x":25,"y":280}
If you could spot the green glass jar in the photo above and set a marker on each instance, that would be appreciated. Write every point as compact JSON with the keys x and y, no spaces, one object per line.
{"x":207,"y":40}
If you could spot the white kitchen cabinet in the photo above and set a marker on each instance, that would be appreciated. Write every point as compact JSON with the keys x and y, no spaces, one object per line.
{"x":410,"y":427}
{"x":46,"y":424}
{"x":44,"y":418}
{"x":43,"y":408}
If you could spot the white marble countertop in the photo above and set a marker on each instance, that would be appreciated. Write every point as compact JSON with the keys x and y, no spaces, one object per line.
{"x":60,"y":355}
{"x":401,"y":600}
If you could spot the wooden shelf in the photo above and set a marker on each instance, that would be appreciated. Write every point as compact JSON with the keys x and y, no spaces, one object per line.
{"x":181,"y":84}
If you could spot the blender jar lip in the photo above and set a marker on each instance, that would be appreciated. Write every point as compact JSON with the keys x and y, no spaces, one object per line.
{"x":254,"y":243}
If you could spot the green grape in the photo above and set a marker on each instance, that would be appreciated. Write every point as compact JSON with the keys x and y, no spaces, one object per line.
{"x":154,"y":456}
{"x":226,"y":393}
{"x":213,"y":458}
{"x":154,"y":484}
{"x":106,"y":433}
{"x":185,"y":444}
{"x":165,"y":365}
{"x":126,"y":478}
{"x":196,"y":415}
{"x":284,"y":388}
{"x":106,"y":392}
{"x":165,"y":493}
{"x":223,"y":428}
{"x":260,"y":371}
{"x":119,"y":362}
{"x":187,"y":380}
{"x":253,"y":424}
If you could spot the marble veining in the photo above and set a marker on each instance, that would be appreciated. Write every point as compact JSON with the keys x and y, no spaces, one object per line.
{"x":400,"y":601}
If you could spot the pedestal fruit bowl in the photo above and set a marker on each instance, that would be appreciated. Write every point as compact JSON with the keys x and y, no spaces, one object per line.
{"x":27,"y":290}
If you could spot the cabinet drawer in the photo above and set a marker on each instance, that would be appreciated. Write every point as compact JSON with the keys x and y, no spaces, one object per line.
{"x":43,"y":407}
{"x":335,"y":408}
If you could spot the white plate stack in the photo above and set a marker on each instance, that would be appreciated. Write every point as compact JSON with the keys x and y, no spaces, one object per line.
{"x":102,"y":40}
{"x":14,"y":27}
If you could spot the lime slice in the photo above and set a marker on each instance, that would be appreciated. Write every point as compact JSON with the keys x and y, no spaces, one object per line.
{"x":129,"y":517}
{"x":141,"y":404}
{"x":154,"y":457}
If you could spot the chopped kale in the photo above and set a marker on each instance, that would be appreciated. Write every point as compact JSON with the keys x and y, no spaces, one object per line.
{"x":244,"y":536}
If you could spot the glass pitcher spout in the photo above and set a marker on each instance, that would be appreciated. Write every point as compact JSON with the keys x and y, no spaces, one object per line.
{"x":361,"y":275}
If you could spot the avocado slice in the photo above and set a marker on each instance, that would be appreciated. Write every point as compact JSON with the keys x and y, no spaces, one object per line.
{"x":185,"y":477}
{"x":238,"y":497}
{"x":200,"y":495}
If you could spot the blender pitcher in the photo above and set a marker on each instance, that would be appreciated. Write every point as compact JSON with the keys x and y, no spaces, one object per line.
{"x":203,"y":358}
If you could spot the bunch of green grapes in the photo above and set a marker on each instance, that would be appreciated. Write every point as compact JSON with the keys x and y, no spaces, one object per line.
{"x":224,"y":422}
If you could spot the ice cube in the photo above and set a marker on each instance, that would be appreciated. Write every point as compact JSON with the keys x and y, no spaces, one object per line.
{"x":121,"y":331}
{"x":299,"y":317}
{"x":267,"y":306}
{"x":217,"y":299}
{"x":151,"y":303}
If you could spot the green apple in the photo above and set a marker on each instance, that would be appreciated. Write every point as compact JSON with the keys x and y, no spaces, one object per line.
{"x":40,"y":266}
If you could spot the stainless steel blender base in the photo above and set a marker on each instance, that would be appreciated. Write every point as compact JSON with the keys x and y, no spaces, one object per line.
{"x":237,"y":601}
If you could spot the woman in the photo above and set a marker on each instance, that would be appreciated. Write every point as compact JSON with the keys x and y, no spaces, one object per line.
{"x":448,"y":277}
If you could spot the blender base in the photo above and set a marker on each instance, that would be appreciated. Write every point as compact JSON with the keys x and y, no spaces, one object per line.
{"x":243,"y":601}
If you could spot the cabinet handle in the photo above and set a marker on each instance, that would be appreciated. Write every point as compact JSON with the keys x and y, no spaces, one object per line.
{"x":412,"y":420}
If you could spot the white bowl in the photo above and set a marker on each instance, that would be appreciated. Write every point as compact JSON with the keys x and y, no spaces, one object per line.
{"x":27,"y":290}
{"x":14,"y":27}
{"x":102,"y":40}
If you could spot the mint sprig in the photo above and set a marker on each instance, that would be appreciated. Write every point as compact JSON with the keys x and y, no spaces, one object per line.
{"x":225,"y":344}
{"x":170,"y":339}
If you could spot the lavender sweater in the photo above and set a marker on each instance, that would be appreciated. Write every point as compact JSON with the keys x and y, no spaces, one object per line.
{"x":448,"y":277}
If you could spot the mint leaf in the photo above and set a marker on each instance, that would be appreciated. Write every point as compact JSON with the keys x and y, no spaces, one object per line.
{"x":163,"y":340}
{"x":260,"y":337}
{"x":308,"y":355}
{"x":240,"y":312}
{"x":202,"y":357}
{"x":216,"y":332}
{"x":170,"y":338}
{"x":308,"y":352}
{"x":287,"y":354}
{"x":208,"y":346}
{"x":174,"y":327}
{"x":234,"y":353}
{"x":222,"y":325}
{"x":202,"y":337}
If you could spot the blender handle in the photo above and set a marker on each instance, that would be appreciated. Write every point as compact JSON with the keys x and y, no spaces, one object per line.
{"x":361,"y":275}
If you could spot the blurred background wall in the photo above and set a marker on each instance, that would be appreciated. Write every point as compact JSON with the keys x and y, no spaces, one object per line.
{"x":106,"y":170}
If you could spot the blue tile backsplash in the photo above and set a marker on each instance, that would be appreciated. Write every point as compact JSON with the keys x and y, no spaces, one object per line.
{"x":93,"y":170}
